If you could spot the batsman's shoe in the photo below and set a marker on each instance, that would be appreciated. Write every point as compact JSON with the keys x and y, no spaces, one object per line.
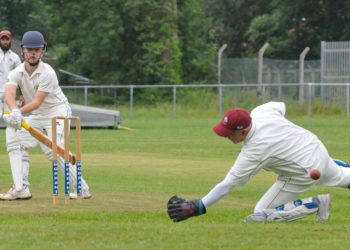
{"x":324,"y":207}
{"x":85,"y":194}
{"x":12,"y":194}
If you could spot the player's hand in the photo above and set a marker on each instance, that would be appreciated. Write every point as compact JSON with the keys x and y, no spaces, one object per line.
{"x":14,"y":119}
{"x":179,"y":209}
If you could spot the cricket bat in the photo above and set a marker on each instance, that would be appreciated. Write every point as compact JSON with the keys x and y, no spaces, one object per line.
{"x":37,"y":134}
{"x":41,"y":137}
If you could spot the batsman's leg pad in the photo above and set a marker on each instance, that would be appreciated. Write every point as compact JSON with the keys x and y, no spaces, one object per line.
{"x":1,"y":105}
{"x":72,"y":169}
{"x":12,"y":143}
{"x":25,"y":167}
{"x":73,"y":178}
{"x":16,"y":168}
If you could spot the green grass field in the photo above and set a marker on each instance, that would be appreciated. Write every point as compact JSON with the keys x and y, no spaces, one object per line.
{"x":133,"y":173}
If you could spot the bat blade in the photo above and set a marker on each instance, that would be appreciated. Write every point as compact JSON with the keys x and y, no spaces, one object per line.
{"x":48,"y":142}
{"x":37,"y":134}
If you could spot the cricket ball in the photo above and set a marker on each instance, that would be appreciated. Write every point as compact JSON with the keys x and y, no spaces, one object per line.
{"x":315,"y":174}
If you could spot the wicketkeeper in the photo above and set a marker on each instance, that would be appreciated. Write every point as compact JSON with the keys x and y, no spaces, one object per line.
{"x":273,"y":143}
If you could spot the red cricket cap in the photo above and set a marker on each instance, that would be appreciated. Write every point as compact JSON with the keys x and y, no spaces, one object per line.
{"x":234,"y":119}
{"x":6,"y":33}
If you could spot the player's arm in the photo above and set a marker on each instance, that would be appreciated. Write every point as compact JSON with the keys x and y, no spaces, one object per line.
{"x":37,"y":101}
{"x":15,"y":117}
{"x":180,"y":209}
{"x":240,"y":173}
{"x":10,"y":95}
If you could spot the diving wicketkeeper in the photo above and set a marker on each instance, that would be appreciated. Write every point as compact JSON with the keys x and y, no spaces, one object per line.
{"x":273,"y":143}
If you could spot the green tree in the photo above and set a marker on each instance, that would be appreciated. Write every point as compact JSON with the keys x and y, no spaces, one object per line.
{"x":197,"y":51}
{"x":228,"y":21}
{"x":172,"y":41}
{"x":14,"y":15}
{"x":291,"y":25}
{"x":151,"y":36}
{"x":124,"y":42}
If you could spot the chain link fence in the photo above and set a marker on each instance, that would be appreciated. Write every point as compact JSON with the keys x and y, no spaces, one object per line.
{"x":208,"y":97}
{"x":245,"y":71}
{"x":238,"y":85}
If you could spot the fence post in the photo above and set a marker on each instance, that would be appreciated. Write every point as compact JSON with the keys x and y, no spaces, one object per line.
{"x":278,"y":75}
{"x":220,"y":98}
{"x":174,"y":102}
{"x":221,"y":50}
{"x":131,"y":101}
{"x":309,"y":109}
{"x":85,"y":96}
{"x":347,"y":100}
{"x":260,"y":68}
{"x":301,"y":74}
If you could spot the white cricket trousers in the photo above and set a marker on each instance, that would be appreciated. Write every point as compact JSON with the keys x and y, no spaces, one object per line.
{"x":286,"y":189}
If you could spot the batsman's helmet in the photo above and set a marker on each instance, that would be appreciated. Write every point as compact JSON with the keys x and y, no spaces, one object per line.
{"x":33,"y":40}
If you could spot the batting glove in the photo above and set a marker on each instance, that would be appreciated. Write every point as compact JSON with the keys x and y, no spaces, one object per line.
{"x":14,"y":119}
{"x":179,"y":209}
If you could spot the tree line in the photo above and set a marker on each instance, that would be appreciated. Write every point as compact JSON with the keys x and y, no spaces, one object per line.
{"x":172,"y":41}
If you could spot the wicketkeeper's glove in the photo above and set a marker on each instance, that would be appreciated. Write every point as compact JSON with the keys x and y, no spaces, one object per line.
{"x":179,"y":209}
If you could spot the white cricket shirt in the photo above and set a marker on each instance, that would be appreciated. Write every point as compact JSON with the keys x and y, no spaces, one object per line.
{"x":43,"y":79}
{"x":274,"y":144}
{"x":8,"y":61}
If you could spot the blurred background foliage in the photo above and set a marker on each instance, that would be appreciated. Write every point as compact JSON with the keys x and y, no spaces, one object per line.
{"x":172,"y":41}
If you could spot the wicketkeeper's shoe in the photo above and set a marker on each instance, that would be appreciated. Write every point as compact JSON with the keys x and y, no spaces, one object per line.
{"x":85,"y":194}
{"x":324,"y":207}
{"x":12,"y":194}
{"x":341,"y":163}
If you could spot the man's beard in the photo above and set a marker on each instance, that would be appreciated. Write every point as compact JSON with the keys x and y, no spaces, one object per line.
{"x":5,"y":47}
{"x":34,"y":63}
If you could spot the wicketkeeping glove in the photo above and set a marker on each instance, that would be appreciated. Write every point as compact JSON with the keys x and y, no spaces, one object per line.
{"x":179,"y":209}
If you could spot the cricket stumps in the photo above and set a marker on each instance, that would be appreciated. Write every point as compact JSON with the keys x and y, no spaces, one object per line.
{"x":66,"y":120}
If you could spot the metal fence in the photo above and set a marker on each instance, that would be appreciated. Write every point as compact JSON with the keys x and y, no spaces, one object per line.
{"x":245,"y":71}
{"x":335,"y":61}
{"x":259,"y":80}
{"x":221,"y":94}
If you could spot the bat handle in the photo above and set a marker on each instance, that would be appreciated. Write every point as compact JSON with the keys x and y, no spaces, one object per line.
{"x":72,"y":159}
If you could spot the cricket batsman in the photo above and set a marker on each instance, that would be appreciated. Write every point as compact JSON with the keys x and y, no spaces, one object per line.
{"x":273,"y":143}
{"x":43,"y":100}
